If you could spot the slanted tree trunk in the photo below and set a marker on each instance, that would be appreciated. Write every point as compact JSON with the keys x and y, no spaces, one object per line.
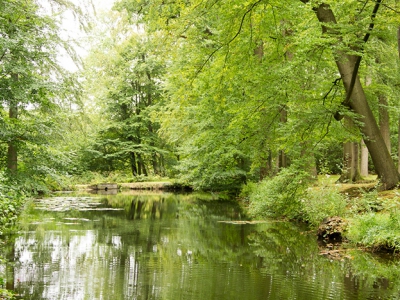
{"x":368,"y":126}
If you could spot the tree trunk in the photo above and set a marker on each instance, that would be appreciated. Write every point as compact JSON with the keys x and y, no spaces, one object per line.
{"x":156,"y":165}
{"x":350,"y":171}
{"x":266,"y":169}
{"x":364,"y":160}
{"x":384,"y":125}
{"x":363,"y":148}
{"x":368,"y":126}
{"x":133,"y":164}
{"x":398,"y":132}
{"x":350,"y":163}
{"x":12,"y":157}
{"x":282,"y":158}
{"x":398,"y":147}
{"x":141,"y":166}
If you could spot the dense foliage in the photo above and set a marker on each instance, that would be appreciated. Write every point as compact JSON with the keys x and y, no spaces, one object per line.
{"x":127,"y":96}
{"x":218,"y":95}
{"x":249,"y":82}
{"x":36,"y":93}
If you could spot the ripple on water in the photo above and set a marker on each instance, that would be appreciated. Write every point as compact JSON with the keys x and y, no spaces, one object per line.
{"x":146,"y":252}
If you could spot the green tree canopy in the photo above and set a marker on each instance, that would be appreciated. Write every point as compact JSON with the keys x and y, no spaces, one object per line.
{"x":234,"y":67}
{"x":127,"y":94}
{"x":35,"y":89}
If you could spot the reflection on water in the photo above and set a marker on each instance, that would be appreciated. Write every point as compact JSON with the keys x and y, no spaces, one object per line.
{"x":165,"y":246}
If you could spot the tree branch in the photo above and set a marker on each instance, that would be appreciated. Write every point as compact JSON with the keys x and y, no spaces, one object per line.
{"x":319,"y":10}
{"x":357,"y":64}
{"x":231,"y":40}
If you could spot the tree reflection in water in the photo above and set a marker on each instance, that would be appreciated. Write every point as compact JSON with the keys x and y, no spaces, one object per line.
{"x":166,"y":246}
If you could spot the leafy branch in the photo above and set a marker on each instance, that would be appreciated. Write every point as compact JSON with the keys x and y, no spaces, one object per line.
{"x":230,"y":41}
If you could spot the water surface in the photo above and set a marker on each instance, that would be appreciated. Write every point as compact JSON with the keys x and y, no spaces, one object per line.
{"x":166,"y":246}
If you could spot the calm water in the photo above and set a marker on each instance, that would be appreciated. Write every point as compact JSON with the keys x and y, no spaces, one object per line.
{"x":166,"y":246}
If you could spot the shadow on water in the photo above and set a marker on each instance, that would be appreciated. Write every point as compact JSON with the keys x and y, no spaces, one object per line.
{"x":168,"y":246}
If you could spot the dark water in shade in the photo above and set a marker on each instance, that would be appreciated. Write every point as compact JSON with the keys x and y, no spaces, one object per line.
{"x":166,"y":246}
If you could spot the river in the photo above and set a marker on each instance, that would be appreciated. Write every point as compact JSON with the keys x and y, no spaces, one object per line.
{"x":169,"y":246}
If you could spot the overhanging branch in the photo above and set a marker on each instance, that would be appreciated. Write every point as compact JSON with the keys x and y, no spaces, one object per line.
{"x":357,"y":64}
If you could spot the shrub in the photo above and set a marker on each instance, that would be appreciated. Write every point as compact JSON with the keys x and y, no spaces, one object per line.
{"x":281,"y":195}
{"x":11,"y":202}
{"x":321,"y":203}
{"x":247,"y":190}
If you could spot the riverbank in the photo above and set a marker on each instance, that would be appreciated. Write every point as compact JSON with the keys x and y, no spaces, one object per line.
{"x":145,"y":185}
{"x":370,"y":218}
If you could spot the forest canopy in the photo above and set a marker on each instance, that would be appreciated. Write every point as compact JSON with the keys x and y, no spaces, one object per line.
{"x":253,"y":86}
{"x":211,"y":93}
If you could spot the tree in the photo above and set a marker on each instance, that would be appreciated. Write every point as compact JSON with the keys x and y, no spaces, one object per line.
{"x":351,"y":166}
{"x":129,"y":95}
{"x":213,"y":70}
{"x":34,"y":88}
{"x":355,"y":100}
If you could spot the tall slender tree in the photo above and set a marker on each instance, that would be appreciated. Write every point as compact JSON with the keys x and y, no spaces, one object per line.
{"x":33,"y":86}
{"x":129,"y":95}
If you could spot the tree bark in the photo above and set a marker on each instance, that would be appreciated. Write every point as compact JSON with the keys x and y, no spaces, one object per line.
{"x":398,"y":132}
{"x":350,"y":163}
{"x":398,"y":148}
{"x":364,"y":160}
{"x":141,"y":166}
{"x":267,"y":166}
{"x":133,"y":164}
{"x":282,"y":157}
{"x":350,"y":171}
{"x":368,"y":126}
{"x":12,"y":154}
{"x":384,"y":124}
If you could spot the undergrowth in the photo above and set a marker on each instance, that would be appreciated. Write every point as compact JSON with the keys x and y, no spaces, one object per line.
{"x":373,"y":222}
{"x":291,"y":195}
{"x":321,"y":203}
{"x":279,"y":196}
{"x":378,"y":231}
{"x":12,"y":200}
